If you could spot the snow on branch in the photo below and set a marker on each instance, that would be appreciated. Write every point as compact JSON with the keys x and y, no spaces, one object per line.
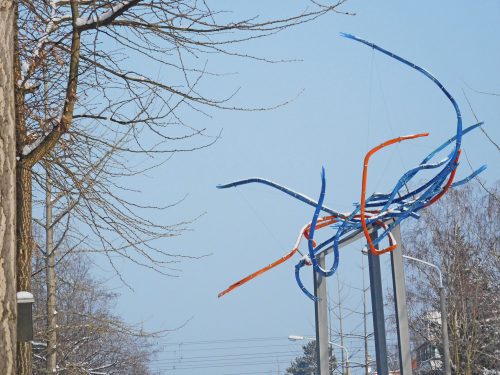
{"x":106,"y":17}
{"x":30,"y":147}
{"x":51,"y":26}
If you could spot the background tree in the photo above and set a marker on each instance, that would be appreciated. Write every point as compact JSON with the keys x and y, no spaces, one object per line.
{"x":82,"y":194}
{"x":344,"y":313}
{"x":72,"y":187}
{"x":307,"y":364}
{"x":91,"y":338}
{"x":461,"y":234}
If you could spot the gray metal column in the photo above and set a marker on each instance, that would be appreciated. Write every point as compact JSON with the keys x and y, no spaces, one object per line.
{"x":321,"y":316}
{"x":398,"y":282}
{"x":378,"y":310}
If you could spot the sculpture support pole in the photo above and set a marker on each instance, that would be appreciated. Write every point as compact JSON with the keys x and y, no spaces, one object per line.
{"x":398,"y":282}
{"x":321,"y":318}
{"x":378,"y":310}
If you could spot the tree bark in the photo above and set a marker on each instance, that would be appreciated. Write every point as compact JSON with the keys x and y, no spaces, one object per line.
{"x":23,"y":203}
{"x":24,"y":253}
{"x":7,"y":192}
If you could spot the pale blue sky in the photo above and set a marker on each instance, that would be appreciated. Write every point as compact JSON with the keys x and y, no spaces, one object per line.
{"x":352,"y":100}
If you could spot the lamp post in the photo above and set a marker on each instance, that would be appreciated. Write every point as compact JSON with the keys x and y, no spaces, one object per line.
{"x":444,"y":317}
{"x":298,"y":338}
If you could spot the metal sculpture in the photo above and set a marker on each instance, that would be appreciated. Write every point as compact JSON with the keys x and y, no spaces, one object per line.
{"x":384,"y":211}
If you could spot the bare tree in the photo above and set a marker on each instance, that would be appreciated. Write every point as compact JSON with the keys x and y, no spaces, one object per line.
{"x":59,"y":230}
{"x":340,"y":312}
{"x":461,"y":234}
{"x":357,"y":338}
{"x":91,"y":338}
{"x":77,"y":61}
{"x":7,"y":192}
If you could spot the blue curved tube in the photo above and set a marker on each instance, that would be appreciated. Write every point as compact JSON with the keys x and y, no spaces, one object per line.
{"x":424,"y":72}
{"x":298,"y":266}
{"x":315,"y":220}
{"x":284,"y":189}
{"x":313,"y":252}
{"x":470,"y":177}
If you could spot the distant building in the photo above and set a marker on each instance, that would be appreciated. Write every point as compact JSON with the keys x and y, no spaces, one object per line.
{"x":428,"y":360}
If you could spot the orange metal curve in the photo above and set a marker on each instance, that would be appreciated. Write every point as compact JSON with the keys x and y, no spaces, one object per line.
{"x":258,"y":273}
{"x":322,"y":222}
{"x":392,"y":244}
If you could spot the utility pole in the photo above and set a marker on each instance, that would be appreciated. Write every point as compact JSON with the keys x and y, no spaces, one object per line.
{"x":341,"y":331}
{"x":50,"y":260}
{"x":8,"y":302}
{"x":50,"y":251}
{"x":444,"y":331}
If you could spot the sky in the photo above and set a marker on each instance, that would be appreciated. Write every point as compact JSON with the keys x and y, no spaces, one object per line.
{"x":344,"y":100}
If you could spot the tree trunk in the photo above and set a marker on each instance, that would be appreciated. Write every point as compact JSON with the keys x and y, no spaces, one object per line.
{"x":24,"y":252}
{"x":23,"y":204}
{"x":7,"y":192}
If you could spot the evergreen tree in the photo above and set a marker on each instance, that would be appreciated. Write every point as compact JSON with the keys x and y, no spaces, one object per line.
{"x":307,"y":363}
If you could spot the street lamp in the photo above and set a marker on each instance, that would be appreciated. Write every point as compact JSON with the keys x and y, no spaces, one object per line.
{"x":298,"y":338}
{"x":444,"y":318}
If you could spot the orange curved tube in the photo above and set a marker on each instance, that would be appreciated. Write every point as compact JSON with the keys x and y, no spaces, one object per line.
{"x":323,"y":222}
{"x":258,"y":273}
{"x":394,"y":245}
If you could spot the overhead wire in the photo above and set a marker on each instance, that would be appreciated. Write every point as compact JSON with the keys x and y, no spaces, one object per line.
{"x":227,"y":355}
{"x":204,"y":342}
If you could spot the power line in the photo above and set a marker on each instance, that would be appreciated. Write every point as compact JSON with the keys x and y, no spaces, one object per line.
{"x":238,"y":364}
{"x":229,"y":357}
{"x":205,"y":342}
{"x":227,"y":347}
